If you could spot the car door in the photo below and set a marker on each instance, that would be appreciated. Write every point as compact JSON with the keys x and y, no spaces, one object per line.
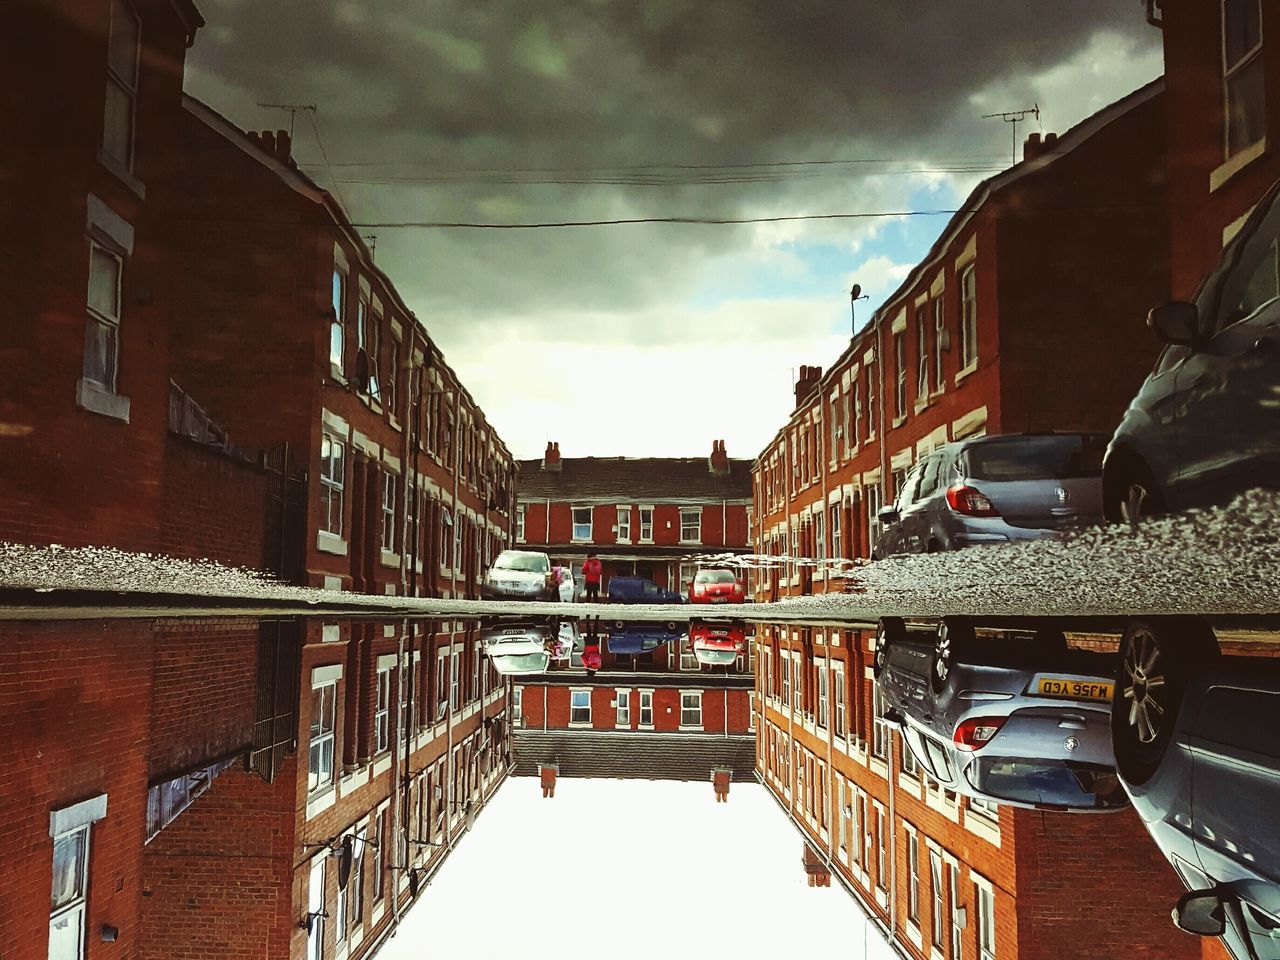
{"x":1229,"y":385}
{"x":1235,"y":773}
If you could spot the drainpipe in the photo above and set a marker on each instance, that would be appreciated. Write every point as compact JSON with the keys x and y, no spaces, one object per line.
{"x":399,"y":782}
{"x":884,"y":450}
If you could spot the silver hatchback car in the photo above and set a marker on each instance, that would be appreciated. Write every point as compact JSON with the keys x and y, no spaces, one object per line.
{"x":993,"y":490}
{"x":1010,"y":718}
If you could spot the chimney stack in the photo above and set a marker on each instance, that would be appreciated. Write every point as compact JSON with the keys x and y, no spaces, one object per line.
{"x":267,"y":139}
{"x":547,"y":775}
{"x":718,"y":462}
{"x":1034,"y":146}
{"x":551,"y":458}
{"x":284,"y":148}
{"x":720,"y":778}
{"x":805,"y":385}
{"x":819,"y":875}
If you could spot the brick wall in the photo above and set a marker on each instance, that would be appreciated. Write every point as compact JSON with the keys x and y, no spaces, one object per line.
{"x":214,"y":507}
{"x":666,"y":705}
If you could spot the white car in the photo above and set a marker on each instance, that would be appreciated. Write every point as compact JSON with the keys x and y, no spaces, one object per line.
{"x":507,"y":638}
{"x":520,"y":664}
{"x":519,"y":575}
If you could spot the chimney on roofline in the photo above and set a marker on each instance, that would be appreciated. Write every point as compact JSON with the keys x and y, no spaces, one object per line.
{"x":1034,"y":146}
{"x":819,"y":875}
{"x":275,"y":143}
{"x":805,"y":385}
{"x":718,"y":462}
{"x":551,"y":458}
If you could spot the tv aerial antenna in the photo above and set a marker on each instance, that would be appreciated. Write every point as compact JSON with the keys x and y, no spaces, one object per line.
{"x":293,"y":109}
{"x":1013,"y":118}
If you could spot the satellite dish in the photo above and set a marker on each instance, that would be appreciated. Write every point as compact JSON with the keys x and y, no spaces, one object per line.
{"x":346,"y":854}
{"x":854,"y":294}
{"x":362,"y":370}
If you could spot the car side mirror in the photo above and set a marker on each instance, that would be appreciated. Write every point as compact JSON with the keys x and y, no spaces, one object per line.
{"x":889,"y":515}
{"x":1177,"y":323}
{"x":1201,"y":912}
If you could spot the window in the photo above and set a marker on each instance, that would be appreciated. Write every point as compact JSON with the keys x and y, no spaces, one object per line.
{"x":1242,"y":72}
{"x":985,"y":809}
{"x":102,"y":330}
{"x":855,"y":412}
{"x":332,"y":478}
{"x":986,"y":921}
{"x":939,"y":337}
{"x":624,"y":708}
{"x":455,"y":680}
{"x":70,"y":889}
{"x":320,"y":758}
{"x":957,"y":924}
{"x":900,"y":366}
{"x":646,"y":708}
{"x":624,"y":524}
{"x":836,"y":429}
{"x":690,"y":524}
{"x":797,"y":688}
{"x":580,"y":706}
{"x":389,"y":512}
{"x":909,"y":765}
{"x":871,"y":494}
{"x":823,"y":708}
{"x":375,"y":354}
{"x":880,"y":726}
{"x":882,"y":851}
{"x":688,"y":661}
{"x":355,"y":885}
{"x":442,"y":683}
{"x":520,"y":522}
{"x":123,"y":43}
{"x":937,"y":904}
{"x":819,"y":535}
{"x":475,"y":671}
{"x":382,"y":715}
{"x":968,"y":317}
{"x":922,"y":351}
{"x":446,"y":538}
{"x":391,"y":376}
{"x":913,"y":877}
{"x":646,"y":524}
{"x":837,"y":548}
{"x":315,"y":907}
{"x":691,"y":708}
{"x":785,"y":663}
{"x":338,"y":326}
{"x":379,"y":845}
{"x":582,"y":523}
{"x":837,"y":694}
{"x":861,"y":850}
{"x":871,"y":401}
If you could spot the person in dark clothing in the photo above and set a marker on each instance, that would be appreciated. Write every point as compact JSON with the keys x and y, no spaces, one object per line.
{"x":591,"y":571}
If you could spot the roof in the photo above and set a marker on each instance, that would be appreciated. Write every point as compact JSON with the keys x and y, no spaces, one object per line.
{"x":1066,"y":143}
{"x":634,"y":479}
{"x":635,"y":755}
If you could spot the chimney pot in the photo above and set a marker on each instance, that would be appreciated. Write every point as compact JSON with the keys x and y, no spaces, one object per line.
{"x":1031,"y":147}
{"x":551,"y":458}
{"x":284,"y":147}
{"x":1050,"y":141}
{"x":268,"y":142}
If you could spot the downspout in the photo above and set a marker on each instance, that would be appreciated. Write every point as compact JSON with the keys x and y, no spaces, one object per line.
{"x":884,"y":450}
{"x":399,"y":784}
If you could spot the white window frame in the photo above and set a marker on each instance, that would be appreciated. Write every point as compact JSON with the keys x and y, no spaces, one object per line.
{"x":939,"y":331}
{"x":574,"y":719}
{"x":968,"y":316}
{"x":837,"y":535}
{"x":694,"y":525}
{"x":325,"y":739}
{"x":881,"y":734}
{"x":688,"y":719}
{"x":824,"y":701}
{"x":882,"y":850}
{"x":74,"y":911}
{"x":127,"y":85}
{"x":646,"y":524}
{"x":838,"y":695}
{"x":900,"y":381}
{"x":97,"y":319}
{"x":913,"y":877}
{"x":937,"y":902}
{"x":333,"y":488}
{"x":517,"y":705}
{"x":455,"y":680}
{"x":957,"y":924}
{"x":819,"y":534}
{"x":622,"y":706}
{"x":338,"y":325}
{"x":590,"y":525}
{"x":315,"y":907}
{"x":389,"y":481}
{"x":520,"y":522}
{"x":985,"y":912}
{"x":646,"y":708}
{"x":1231,"y":71}
{"x":922,"y":351}
{"x":624,"y":524}
{"x":382,"y":712}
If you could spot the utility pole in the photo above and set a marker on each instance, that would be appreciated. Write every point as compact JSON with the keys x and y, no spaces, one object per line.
{"x":1014,"y":117}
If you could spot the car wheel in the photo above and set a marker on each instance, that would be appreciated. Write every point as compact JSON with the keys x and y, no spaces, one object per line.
{"x":672,"y":627}
{"x":934,"y":547}
{"x":619,"y":626}
{"x":891,"y":630}
{"x":952,"y":644}
{"x":1131,"y":494}
{"x":1157,"y":659}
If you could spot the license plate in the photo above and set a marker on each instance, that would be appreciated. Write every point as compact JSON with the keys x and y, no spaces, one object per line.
{"x":1073,"y":689}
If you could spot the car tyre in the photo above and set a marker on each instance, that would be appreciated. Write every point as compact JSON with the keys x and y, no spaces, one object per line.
{"x":1157,"y":659}
{"x":952,"y":644}
{"x":1131,"y":493}
{"x":890,"y":630}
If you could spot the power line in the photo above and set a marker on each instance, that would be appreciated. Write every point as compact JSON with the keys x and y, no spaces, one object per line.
{"x":975,"y":158}
{"x":713,"y":221}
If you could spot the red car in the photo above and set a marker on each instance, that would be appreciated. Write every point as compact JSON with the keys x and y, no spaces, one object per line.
{"x":717,"y":586}
{"x":716,"y":643}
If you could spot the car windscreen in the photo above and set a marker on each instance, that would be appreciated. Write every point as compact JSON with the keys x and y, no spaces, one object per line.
{"x":1036,"y":458}
{"x":521,"y":663}
{"x":527,"y":562}
{"x":1051,"y":782}
{"x":714,"y":576}
{"x":716,"y":656}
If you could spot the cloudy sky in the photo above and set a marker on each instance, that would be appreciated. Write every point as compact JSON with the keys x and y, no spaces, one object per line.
{"x":653,"y":339}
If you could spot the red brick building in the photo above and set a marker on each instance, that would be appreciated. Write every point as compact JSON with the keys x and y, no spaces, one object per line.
{"x":645,"y":517}
{"x":1222,"y":107}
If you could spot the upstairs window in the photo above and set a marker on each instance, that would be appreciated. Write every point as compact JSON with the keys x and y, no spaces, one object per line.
{"x":332,"y":477}
{"x":1242,"y":71}
{"x":691,"y":709}
{"x":123,"y":44}
{"x":624,"y":523}
{"x":391,"y":377}
{"x":646,"y":708}
{"x":939,"y":338}
{"x":389,"y":512}
{"x":102,"y":331}
{"x":900,"y":365}
{"x":338,"y":326}
{"x":68,"y":903}
{"x":922,"y":351}
{"x":520,"y":522}
{"x":690,"y":524}
{"x":837,"y":695}
{"x":320,"y":757}
{"x":382,"y":714}
{"x":871,"y":401}
{"x":836,"y":544}
{"x":968,"y":317}
{"x":582,"y":523}
{"x":375,"y":356}
{"x":580,"y":706}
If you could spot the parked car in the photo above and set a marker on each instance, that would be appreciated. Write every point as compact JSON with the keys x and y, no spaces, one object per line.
{"x":521,"y":664}
{"x":716,"y":585}
{"x":633,"y":637}
{"x":1018,"y":719}
{"x":507,"y":637}
{"x":566,"y":586}
{"x":718,"y":644}
{"x":639,"y":590}
{"x":520,"y":575}
{"x":1196,"y":750}
{"x":1205,"y":425}
{"x":993,"y":490}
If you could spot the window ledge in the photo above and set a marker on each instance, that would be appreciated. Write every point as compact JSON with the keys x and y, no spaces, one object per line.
{"x":94,"y":398}
{"x":319,"y":802}
{"x":914,"y":934}
{"x":622,"y":726}
{"x":335,"y":373}
{"x":395,"y":423}
{"x":1233,"y":165}
{"x":882,"y":897}
{"x":330,"y":543}
{"x":644,"y":726}
{"x":920,"y":406}
{"x":390,"y":559}
{"x":123,"y":174}
{"x":980,"y":826}
{"x":382,"y":765}
{"x":580,"y":725}
{"x":898,"y":421}
{"x":966,"y":371}
{"x":691,"y":728}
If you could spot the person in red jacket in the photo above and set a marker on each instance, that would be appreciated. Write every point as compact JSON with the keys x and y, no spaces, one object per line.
{"x":591,"y":650}
{"x":591,"y":571}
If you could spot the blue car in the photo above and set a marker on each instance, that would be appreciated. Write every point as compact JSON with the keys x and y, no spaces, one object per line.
{"x":628,"y":638}
{"x":1196,"y":751}
{"x":640,"y":590}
